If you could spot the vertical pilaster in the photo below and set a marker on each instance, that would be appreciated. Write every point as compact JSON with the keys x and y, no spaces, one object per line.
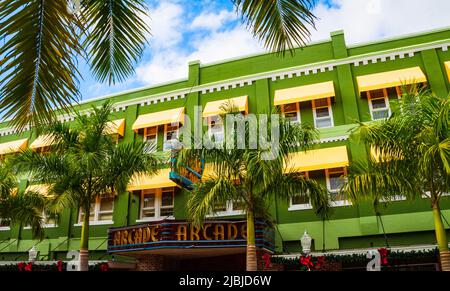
{"x":346,"y":83}
{"x":436,"y":77}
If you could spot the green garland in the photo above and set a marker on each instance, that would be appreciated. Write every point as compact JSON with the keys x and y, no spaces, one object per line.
{"x":394,"y":258}
{"x":49,"y":268}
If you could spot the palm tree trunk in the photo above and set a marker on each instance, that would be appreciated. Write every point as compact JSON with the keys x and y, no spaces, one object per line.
{"x":252,"y":264}
{"x":441,"y":237}
{"x":84,"y":244}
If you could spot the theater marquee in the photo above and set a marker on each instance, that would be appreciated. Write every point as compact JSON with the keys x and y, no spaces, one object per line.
{"x":181,"y":234}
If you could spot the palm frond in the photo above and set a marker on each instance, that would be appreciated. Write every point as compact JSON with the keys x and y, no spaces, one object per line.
{"x":38,"y":69}
{"x":116,"y":37}
{"x":280,"y":24}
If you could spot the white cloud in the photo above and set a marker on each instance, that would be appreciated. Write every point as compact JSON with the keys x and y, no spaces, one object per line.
{"x":371,"y":20}
{"x":212,"y":36}
{"x":213,"y":21}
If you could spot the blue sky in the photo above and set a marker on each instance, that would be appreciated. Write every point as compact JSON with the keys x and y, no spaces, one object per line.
{"x":209,"y":31}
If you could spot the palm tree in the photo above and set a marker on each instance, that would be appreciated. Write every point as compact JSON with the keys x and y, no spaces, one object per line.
{"x":247,"y":177}
{"x":20,"y":207}
{"x":411,"y":157}
{"x":43,"y":41}
{"x":85,"y":164}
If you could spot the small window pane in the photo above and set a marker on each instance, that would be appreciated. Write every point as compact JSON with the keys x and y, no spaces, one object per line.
{"x":238,"y":205}
{"x":321,"y":103}
{"x":323,"y":123}
{"x":380,"y":114}
{"x":105,"y":216}
{"x":107,"y":204}
{"x":322,"y":112}
{"x":290,"y":108}
{"x":167,"y":198}
{"x":377,"y":94}
{"x":379,"y":103}
{"x":148,"y":213}
{"x":222,"y":207}
{"x":300,"y":200}
{"x":149,"y":201}
{"x":4,"y":223}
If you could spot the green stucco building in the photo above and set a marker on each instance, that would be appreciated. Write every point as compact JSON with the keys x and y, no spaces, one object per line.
{"x":328,"y":84}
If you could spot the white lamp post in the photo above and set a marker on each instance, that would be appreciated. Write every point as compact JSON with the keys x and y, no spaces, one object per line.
{"x":306,"y":242}
{"x":32,"y":254}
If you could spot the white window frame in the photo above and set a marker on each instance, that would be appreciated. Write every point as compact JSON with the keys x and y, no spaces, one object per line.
{"x":386,"y":100}
{"x":158,"y":205}
{"x":299,"y":115}
{"x":228,"y":212}
{"x":396,"y":198}
{"x":298,"y":207}
{"x":165,"y":147}
{"x":147,"y":134}
{"x":330,"y":110}
{"x":97,"y":214}
{"x":5,"y":228}
{"x":210,"y":133}
{"x":46,"y":225}
{"x":341,"y":203}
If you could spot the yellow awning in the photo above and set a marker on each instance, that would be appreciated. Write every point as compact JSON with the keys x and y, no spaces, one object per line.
{"x":215,"y":108}
{"x":159,"y":118}
{"x":447,"y":68}
{"x":13,"y":146}
{"x":315,"y":160}
{"x":42,"y":141}
{"x":144,"y":182}
{"x":115,"y":127}
{"x":304,"y":93}
{"x":391,"y":79}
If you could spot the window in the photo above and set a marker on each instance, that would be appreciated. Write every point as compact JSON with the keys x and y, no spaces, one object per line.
{"x":379,"y":104}
{"x":101,"y":211}
{"x":300,"y":202}
{"x":231,"y":208}
{"x":292,"y":112}
{"x":216,"y":128}
{"x":4,"y":224}
{"x":335,"y":179}
{"x":157,"y":204}
{"x":49,"y":221}
{"x":151,"y":139}
{"x":170,"y":135}
{"x":323,"y":115}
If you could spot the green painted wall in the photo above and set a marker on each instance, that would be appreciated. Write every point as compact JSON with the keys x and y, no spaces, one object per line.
{"x":349,"y":227}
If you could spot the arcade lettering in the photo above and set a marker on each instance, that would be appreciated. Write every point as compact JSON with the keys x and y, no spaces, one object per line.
{"x":181,"y":232}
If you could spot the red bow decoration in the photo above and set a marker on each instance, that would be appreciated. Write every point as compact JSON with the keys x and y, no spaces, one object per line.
{"x":307,"y":262}
{"x":29,"y":267}
{"x":384,"y":254}
{"x":104,"y":267}
{"x":320,"y":262}
{"x":59,"y":265}
{"x":266,"y":258}
{"x":21,"y":266}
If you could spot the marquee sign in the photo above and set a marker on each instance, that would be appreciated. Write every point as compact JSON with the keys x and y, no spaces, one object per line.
{"x":181,"y":234}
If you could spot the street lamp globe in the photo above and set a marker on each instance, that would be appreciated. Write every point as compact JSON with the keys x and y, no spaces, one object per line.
{"x":306,"y":242}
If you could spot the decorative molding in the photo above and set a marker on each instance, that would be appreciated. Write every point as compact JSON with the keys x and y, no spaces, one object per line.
{"x":298,"y":71}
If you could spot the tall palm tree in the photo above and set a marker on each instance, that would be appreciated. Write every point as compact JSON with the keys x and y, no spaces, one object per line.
{"x":84,"y":165}
{"x":411,"y":157}
{"x":246,"y":176}
{"x":43,"y":40}
{"x":20,"y":207}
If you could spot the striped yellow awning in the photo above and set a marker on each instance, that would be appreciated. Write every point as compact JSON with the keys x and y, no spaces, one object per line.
{"x":447,"y":68}
{"x":145,"y":182}
{"x":42,"y":141}
{"x":304,"y":93}
{"x":391,"y":79}
{"x":13,"y":146}
{"x":315,"y":160}
{"x":216,"y":108}
{"x":115,"y":127}
{"x":40,"y":189}
{"x":159,"y":118}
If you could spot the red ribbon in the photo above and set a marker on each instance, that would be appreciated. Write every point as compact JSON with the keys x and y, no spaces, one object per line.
{"x":384,"y":254}
{"x":21,"y":266}
{"x":307,"y":262}
{"x":266,"y":258}
{"x":104,"y":267}
{"x":29,"y":267}
{"x":60,"y":266}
